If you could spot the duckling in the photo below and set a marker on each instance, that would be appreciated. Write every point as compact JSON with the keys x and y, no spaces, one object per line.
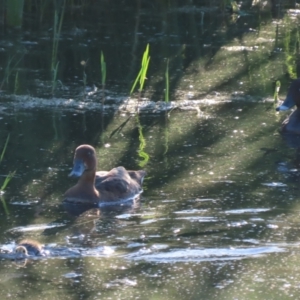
{"x":29,"y":248}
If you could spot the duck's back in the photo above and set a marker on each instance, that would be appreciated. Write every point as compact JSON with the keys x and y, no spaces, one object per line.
{"x":119,"y":183}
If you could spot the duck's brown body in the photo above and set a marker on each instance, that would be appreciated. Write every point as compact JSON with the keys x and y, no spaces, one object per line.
{"x":115,"y":185}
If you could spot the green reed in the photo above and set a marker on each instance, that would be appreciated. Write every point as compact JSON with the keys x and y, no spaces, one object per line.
{"x":141,"y":77}
{"x":58,"y":20}
{"x":54,"y":77}
{"x":4,"y":148}
{"x":84,"y":76}
{"x":6,"y":181}
{"x":4,"y":205}
{"x":16,"y":86}
{"x":103,"y":69}
{"x":290,"y":44}
{"x":11,"y":66}
{"x":103,"y":77}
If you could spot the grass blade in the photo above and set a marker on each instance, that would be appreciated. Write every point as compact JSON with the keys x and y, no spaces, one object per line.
{"x":7,"y":180}
{"x":4,"y":148}
{"x":103,"y":68}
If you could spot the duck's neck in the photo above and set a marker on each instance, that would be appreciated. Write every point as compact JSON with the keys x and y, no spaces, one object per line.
{"x":87,"y":180}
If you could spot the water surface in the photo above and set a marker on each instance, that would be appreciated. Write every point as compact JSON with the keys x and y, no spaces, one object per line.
{"x":218,"y":218}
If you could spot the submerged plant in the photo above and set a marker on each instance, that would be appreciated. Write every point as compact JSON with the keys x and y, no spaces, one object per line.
{"x":141,"y":77}
{"x":167,"y":82}
{"x":54,"y":77}
{"x":166,"y":136}
{"x":8,"y":177}
{"x":3,"y":187}
{"x":142,"y":154}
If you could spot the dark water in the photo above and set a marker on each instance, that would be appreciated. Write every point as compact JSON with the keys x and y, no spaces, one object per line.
{"x":218,"y":218}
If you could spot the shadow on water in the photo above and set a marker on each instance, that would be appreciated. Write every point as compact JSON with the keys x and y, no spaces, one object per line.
{"x":219,"y":212}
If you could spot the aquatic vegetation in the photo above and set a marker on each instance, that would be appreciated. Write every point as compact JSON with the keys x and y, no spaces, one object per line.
{"x":166,"y":139}
{"x":9,"y":69}
{"x":58,"y":20}
{"x":84,"y":76}
{"x":54,"y":77}
{"x":11,"y":174}
{"x":7,"y":179}
{"x":142,"y":154}
{"x":234,"y":7}
{"x":167,"y":98}
{"x":276,"y":92}
{"x":141,"y":77}
{"x":103,"y":81}
{"x":16,"y":87}
{"x":103,"y":77}
{"x":4,"y":148}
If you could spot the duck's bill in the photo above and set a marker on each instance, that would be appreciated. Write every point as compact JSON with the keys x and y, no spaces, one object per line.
{"x":78,"y":168}
{"x":287,"y":104}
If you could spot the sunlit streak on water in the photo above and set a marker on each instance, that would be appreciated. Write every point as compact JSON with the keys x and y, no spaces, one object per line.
{"x":36,"y":227}
{"x":198,"y":255}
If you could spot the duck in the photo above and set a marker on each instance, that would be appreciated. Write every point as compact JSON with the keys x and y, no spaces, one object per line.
{"x":292,"y":123}
{"x":29,"y":247}
{"x":102,"y":187}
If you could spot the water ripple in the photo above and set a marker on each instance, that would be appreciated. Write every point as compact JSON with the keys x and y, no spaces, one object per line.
{"x":198,"y":255}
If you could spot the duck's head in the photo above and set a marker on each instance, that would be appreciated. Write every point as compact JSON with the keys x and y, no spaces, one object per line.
{"x":292,"y":97}
{"x":21,"y":251}
{"x":84,"y":160}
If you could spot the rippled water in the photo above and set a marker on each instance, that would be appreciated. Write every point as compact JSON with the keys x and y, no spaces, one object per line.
{"x":218,"y":216}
